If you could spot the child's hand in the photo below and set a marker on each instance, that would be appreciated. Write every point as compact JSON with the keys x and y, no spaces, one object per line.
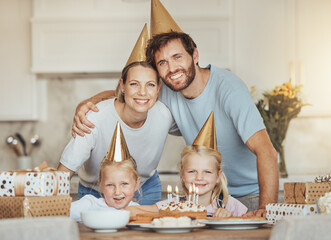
{"x":133,"y":210}
{"x":222,"y":212}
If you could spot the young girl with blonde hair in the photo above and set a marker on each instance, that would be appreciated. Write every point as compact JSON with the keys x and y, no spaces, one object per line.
{"x":117,"y":182}
{"x":202,"y":167}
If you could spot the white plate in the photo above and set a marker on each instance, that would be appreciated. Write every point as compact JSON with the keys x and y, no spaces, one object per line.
{"x":234,"y":224}
{"x":136,"y":226}
{"x":172,"y":229}
{"x":105,"y":230}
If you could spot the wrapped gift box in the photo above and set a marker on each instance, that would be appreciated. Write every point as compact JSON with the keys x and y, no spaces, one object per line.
{"x":305,"y":192}
{"x":34,"y":183}
{"x":275,"y":211}
{"x":14,"y":207}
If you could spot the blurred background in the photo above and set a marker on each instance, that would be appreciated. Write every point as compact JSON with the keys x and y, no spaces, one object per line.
{"x":54,"y":54}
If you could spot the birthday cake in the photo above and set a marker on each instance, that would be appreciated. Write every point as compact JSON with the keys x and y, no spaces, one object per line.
{"x":183,"y":208}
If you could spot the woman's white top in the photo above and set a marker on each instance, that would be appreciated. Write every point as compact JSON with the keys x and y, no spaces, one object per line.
{"x":145,"y":143}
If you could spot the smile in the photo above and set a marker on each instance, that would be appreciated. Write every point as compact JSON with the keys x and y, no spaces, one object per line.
{"x":119,"y":199}
{"x":176,"y":76}
{"x":200,"y":185}
{"x":140,"y":101}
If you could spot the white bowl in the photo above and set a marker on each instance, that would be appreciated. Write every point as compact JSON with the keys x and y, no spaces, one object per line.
{"x":105,"y":220}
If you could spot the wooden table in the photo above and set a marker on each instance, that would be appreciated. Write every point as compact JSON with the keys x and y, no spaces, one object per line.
{"x":202,"y":233}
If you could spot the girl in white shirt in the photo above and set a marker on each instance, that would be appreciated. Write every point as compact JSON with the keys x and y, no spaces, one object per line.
{"x":117,"y":182}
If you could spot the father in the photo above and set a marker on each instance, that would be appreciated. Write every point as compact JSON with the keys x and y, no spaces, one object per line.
{"x":191,"y":93}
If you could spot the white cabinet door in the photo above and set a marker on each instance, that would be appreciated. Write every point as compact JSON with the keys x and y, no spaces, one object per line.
{"x":96,"y":36}
{"x":17,"y":89}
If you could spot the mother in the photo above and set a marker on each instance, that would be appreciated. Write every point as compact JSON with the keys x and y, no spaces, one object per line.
{"x":145,"y":123}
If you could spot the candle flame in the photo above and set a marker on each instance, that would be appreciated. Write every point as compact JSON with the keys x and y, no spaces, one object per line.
{"x":193,"y":187}
{"x":197,"y":190}
{"x":169,"y":189}
{"x":176,"y":190}
{"x":190,"y":189}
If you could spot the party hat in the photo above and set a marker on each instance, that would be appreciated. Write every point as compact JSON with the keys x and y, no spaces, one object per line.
{"x":118,"y":150}
{"x":207,"y":136}
{"x":161,"y":20}
{"x":138,"y":53}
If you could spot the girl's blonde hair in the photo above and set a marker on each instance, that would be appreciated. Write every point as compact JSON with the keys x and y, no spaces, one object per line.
{"x":119,"y":94}
{"x":221,"y":183}
{"x":128,"y":164}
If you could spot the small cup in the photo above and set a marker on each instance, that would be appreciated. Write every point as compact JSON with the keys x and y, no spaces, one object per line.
{"x":24,"y":162}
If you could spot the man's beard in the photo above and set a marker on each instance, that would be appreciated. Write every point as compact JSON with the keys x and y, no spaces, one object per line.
{"x":189,"y":73}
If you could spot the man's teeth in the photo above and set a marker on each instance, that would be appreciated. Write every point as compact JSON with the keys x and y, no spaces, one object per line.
{"x":141,"y":101}
{"x":176,"y":76}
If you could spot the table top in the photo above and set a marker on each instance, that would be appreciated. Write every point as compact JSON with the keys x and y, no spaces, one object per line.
{"x":201,"y":233}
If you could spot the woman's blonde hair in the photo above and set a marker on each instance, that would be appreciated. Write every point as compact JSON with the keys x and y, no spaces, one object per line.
{"x":221,"y":183}
{"x":128,"y":164}
{"x":119,"y":94}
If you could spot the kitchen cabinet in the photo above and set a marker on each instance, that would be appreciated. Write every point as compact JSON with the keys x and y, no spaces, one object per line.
{"x":95,"y":36}
{"x":18,"y":85}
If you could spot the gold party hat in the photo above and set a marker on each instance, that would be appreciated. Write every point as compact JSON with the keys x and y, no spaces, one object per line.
{"x":118,"y":150}
{"x":161,"y":20}
{"x":207,"y":136}
{"x":138,"y":52}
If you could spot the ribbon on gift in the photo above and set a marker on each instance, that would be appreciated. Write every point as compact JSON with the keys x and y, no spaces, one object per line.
{"x":19,"y":184}
{"x":326,"y":178}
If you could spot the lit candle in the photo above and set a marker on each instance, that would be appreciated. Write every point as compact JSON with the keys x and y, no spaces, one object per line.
{"x":169,"y":190}
{"x":177,"y":195}
{"x":197,"y":197}
{"x":189,"y":193}
{"x":193,"y":200}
